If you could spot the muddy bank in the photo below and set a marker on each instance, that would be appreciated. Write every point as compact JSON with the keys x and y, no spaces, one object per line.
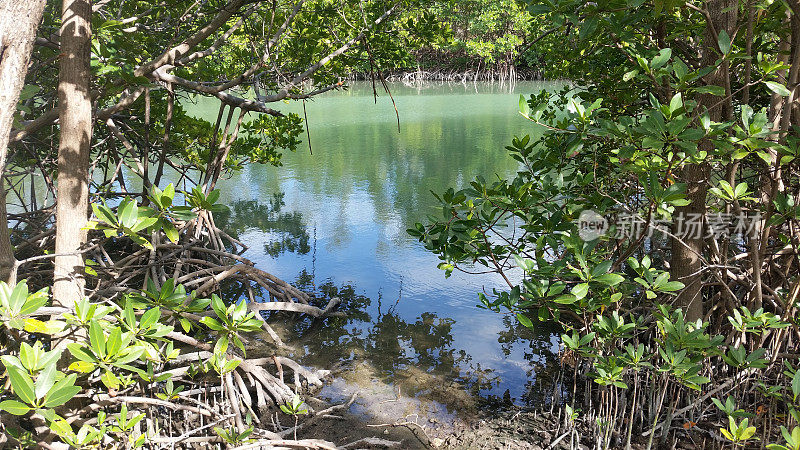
{"x":512,"y":430}
{"x":419,"y":411}
{"x":408,"y":387}
{"x":506,"y":430}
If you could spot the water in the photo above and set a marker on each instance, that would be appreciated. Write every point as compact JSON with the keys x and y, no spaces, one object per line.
{"x":334,"y":223}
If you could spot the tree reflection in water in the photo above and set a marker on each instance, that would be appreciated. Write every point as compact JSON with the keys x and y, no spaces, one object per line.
{"x":285,"y":230}
{"x":378,"y":345}
{"x":544,"y":372}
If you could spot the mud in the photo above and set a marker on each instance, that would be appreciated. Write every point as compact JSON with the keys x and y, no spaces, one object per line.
{"x":420,"y":410}
{"x":507,"y":430}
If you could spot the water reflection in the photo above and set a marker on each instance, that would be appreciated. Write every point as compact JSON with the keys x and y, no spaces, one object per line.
{"x":380,"y":349}
{"x":412,"y":339}
{"x":542,"y":365}
{"x":285,"y":230}
{"x":415,"y":363}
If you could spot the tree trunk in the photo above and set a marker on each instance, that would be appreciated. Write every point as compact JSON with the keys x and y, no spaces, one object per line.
{"x":687,"y":250}
{"x":18,"y":23}
{"x":75,"y":120}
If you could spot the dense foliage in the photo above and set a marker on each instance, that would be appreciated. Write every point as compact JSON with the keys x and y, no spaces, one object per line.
{"x":482,"y":33}
{"x":155,"y":348}
{"x":680,"y":131}
{"x":681,"y":318}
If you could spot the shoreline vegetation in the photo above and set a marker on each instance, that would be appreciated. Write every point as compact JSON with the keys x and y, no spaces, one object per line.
{"x":656,"y":220}
{"x":454,"y":66}
{"x":144,"y":339}
{"x":127,"y":315}
{"x":410,"y":76}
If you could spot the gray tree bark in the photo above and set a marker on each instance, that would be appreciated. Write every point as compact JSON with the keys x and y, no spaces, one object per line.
{"x":75,"y":123}
{"x":18,"y":23}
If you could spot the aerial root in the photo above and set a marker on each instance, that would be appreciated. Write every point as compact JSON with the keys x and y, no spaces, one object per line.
{"x":250,"y":394}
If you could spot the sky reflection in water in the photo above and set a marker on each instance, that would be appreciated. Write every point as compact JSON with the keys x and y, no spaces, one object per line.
{"x":334,"y":223}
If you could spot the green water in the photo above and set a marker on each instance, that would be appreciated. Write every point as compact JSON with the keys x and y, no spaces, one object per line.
{"x":333,"y":222}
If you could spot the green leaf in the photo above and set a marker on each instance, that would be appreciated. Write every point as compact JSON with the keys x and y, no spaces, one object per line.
{"x":140,"y":240}
{"x":167,"y":195}
{"x":34,"y":302}
{"x":238,"y":343}
{"x":588,"y":28}
{"x":676,"y":103}
{"x":777,"y":88}
{"x":14,"y":407}
{"x":184,"y":213}
{"x":79,"y":352}
{"x":28,"y":91}
{"x":49,"y":357}
{"x":22,"y":384}
{"x":110,"y":380}
{"x":27,"y":356}
{"x":213,"y":196}
{"x":601,"y":268}
{"x":727,"y":434}
{"x":524,"y":264}
{"x":129,"y":354}
{"x":726,"y":187}
{"x":680,"y":69}
{"x":97,"y":338}
{"x":230,"y":365}
{"x":741,"y":189}
{"x":239,"y":311}
{"x":663,"y":56}
{"x":218,"y":306}
{"x":128,"y":213}
{"x":111,"y":23}
{"x":170,"y":231}
{"x":610,"y":279}
{"x":104,"y":214}
{"x":724,"y":42}
{"x":710,"y":89}
{"x":221,"y":346}
{"x":671,"y":286}
{"x":524,"y":109}
{"x":18,"y":296}
{"x":82,"y":366}
{"x":62,"y":428}
{"x":156,"y":194}
{"x":149,"y":318}
{"x":62,"y":392}
{"x":211,"y":323}
{"x":142,"y":223}
{"x":566,"y":299}
{"x":748,"y":433}
{"x":11,"y":361}
{"x":185,"y":324}
{"x":580,"y":290}
{"x":45,"y":381}
{"x":524,"y":320}
{"x":114,"y":341}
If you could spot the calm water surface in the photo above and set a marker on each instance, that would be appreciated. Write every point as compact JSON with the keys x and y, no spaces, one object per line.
{"x":334,"y":224}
